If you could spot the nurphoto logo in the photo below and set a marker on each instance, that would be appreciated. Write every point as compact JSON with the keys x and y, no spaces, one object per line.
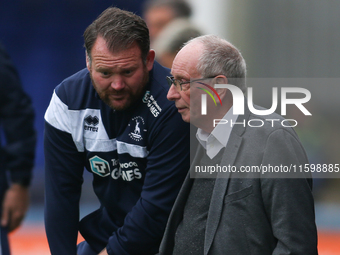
{"x":204,"y":97}
{"x":238,"y":103}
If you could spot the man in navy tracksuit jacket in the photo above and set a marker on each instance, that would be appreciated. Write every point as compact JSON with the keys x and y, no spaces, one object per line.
{"x":113,"y":118}
{"x":16,"y":152}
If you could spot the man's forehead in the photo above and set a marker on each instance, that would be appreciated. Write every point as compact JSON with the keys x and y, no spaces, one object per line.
{"x":102,"y":48}
{"x":186,"y":60}
{"x":120,"y":60}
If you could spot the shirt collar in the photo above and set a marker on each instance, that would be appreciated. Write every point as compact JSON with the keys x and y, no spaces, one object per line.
{"x":216,"y":140}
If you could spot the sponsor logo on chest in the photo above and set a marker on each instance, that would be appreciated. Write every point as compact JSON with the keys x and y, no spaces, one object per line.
{"x":128,"y":171}
{"x":148,"y":99}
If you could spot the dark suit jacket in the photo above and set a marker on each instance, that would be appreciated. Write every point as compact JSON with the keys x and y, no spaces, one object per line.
{"x":256,"y":216}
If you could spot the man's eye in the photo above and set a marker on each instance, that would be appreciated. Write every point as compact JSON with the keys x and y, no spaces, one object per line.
{"x":127,"y":72}
{"x":186,"y":85}
{"x":183,"y":82}
{"x":104,"y":73}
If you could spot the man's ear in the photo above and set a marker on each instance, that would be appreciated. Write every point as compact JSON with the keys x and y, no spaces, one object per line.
{"x":150,"y":58}
{"x":88,"y":62}
{"x":221,"y":79}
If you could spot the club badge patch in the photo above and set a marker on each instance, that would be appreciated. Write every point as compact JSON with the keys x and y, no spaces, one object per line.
{"x":138,"y":128}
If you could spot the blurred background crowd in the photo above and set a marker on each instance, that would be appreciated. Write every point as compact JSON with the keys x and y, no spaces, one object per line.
{"x":293,"y":41}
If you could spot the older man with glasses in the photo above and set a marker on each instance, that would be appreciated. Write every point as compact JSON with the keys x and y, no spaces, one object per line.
{"x":232,"y":212}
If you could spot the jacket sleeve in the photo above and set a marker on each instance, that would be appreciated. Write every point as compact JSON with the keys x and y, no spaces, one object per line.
{"x":167,"y":165}
{"x":289,"y":202}
{"x":63,"y":180}
{"x":17,"y":118}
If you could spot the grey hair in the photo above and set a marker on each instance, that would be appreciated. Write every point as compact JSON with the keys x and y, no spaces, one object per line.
{"x":221,"y":57}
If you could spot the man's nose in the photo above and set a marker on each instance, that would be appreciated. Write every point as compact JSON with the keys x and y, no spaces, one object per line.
{"x":117,"y":83}
{"x":173,"y":94}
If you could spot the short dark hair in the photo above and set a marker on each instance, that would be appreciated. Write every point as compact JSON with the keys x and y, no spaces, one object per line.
{"x":120,"y":29}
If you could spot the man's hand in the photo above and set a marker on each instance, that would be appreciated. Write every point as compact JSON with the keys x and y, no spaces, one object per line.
{"x":103,"y":252}
{"x":14,"y":207}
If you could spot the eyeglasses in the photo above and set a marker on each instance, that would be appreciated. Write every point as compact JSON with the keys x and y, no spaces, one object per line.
{"x":179,"y":84}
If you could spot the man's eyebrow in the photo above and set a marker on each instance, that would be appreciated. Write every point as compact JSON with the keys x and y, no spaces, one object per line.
{"x":129,"y":67}
{"x":101,"y":69}
{"x":121,"y":68}
{"x":179,"y":77}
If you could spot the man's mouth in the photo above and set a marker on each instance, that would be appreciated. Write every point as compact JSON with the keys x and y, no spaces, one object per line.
{"x":181,"y":109}
{"x":117,"y":95}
